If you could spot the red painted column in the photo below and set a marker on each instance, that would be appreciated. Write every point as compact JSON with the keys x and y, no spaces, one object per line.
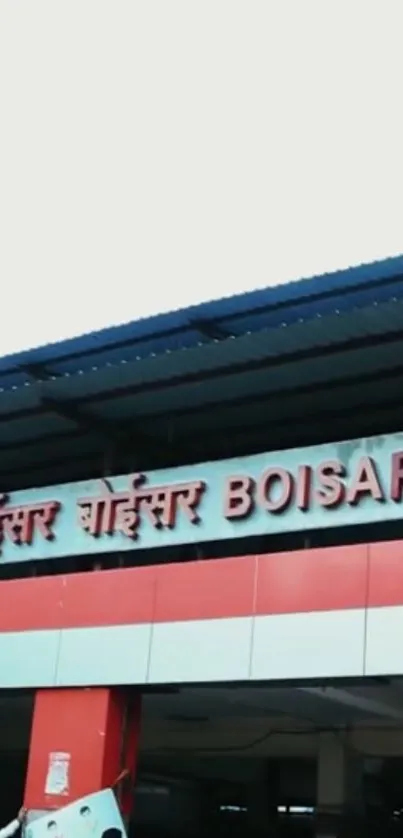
{"x":93,"y":735}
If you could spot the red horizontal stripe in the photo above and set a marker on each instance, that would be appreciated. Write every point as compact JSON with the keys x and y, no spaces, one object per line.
{"x":385,"y":579}
{"x":302,"y":581}
{"x":312,"y":580}
{"x":206,"y":590}
{"x":112,"y":597}
{"x":31,"y":603}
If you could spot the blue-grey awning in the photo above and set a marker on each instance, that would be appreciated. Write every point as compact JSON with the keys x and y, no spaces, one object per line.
{"x":315,"y":359}
{"x":277,"y":307}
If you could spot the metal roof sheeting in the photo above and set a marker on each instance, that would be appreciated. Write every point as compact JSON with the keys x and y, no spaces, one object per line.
{"x":266,"y":310}
{"x":236,"y":352}
{"x":213,"y":361}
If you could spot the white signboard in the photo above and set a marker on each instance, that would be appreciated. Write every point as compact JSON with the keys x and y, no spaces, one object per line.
{"x":94,"y":816}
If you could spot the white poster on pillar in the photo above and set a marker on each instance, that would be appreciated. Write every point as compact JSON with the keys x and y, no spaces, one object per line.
{"x":94,"y":816}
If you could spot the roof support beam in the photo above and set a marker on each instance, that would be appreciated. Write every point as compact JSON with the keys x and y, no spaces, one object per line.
{"x":110,"y":432}
{"x":378,"y":702}
{"x":38,"y":372}
{"x":82,"y":419}
{"x":113,"y":435}
{"x":210,"y":329}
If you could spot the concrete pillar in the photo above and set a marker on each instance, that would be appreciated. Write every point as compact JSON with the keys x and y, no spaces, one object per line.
{"x":339,"y":803}
{"x":81,"y":742}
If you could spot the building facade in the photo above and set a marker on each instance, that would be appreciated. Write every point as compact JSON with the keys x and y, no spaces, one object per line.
{"x":135,"y":558}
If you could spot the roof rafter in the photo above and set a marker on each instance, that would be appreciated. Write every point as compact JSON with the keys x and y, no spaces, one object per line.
{"x":210,"y":329}
{"x":162,"y":332}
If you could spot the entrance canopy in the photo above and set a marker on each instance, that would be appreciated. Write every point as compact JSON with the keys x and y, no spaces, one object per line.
{"x":312,"y":361}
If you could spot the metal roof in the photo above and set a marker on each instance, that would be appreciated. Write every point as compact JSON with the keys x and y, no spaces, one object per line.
{"x":298,"y":364}
{"x":214,"y":321}
{"x":230,"y":355}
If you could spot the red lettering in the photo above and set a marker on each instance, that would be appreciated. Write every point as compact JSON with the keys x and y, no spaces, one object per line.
{"x":19,"y":523}
{"x":266,"y":482}
{"x":304,"y":479}
{"x":396,"y":483}
{"x":365,"y":482}
{"x":238,"y":496}
{"x":332,"y":491}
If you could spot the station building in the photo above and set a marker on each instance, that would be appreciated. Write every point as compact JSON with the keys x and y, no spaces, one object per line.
{"x":201,"y":568}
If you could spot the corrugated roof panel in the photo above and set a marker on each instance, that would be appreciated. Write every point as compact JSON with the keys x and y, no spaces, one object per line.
{"x":173,"y":330}
{"x":354,"y":276}
{"x":114,"y":355}
{"x":269,"y":380}
{"x":306,"y":310}
{"x":31,"y":455}
{"x":52,"y":422}
{"x":316,"y":334}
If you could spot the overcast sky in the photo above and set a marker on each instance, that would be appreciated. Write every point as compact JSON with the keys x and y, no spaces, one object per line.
{"x":155,"y":153}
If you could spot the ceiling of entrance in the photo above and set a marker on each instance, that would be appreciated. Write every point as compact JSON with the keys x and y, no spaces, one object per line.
{"x":246,"y":721}
{"x":269,"y":720}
